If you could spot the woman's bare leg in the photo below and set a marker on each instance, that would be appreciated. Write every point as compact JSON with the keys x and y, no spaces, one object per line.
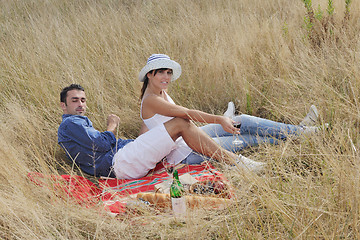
{"x":198,"y":140}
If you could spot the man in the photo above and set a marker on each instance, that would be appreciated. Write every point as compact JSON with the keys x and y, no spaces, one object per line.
{"x":101,"y":154}
{"x":90,"y":149}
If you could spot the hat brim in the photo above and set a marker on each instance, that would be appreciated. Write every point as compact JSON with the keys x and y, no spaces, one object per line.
{"x":161,"y":63}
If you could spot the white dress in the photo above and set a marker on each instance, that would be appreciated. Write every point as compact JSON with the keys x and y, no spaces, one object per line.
{"x":181,"y":149}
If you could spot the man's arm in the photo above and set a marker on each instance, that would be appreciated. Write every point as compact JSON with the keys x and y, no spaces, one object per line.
{"x":79,"y":131}
{"x":112,"y":123}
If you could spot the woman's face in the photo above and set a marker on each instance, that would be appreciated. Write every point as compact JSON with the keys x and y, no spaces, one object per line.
{"x":160,"y":78}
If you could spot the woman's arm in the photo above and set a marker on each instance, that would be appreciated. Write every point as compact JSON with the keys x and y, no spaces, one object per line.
{"x":154,"y":104}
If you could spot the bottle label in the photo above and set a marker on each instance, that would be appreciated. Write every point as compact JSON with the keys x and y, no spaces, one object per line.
{"x":179,"y":206}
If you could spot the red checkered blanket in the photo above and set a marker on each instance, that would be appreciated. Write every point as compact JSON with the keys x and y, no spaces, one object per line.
{"x":112,"y":193}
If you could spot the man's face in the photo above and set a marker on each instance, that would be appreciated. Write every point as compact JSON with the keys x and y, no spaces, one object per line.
{"x":75,"y":103}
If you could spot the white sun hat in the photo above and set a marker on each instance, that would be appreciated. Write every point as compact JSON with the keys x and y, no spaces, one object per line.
{"x":157,"y":61}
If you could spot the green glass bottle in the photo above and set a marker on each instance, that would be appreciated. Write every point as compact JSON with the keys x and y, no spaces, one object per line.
{"x":177,"y":196}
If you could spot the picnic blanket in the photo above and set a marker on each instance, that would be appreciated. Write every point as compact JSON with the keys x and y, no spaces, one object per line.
{"x":114,"y":194}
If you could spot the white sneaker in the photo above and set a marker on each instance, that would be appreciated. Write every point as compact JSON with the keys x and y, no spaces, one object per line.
{"x":308,"y":130}
{"x":251,"y":165}
{"x":230,"y":112}
{"x":311,"y":118}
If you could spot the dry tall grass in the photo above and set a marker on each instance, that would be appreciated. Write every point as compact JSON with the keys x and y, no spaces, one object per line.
{"x":252,"y":52}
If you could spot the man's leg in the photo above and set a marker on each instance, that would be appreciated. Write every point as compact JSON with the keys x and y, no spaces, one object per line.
{"x":267,"y":128}
{"x":195,"y":158}
{"x":255,"y":131}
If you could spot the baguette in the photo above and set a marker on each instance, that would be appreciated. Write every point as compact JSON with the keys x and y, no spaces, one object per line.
{"x":159,"y":199}
{"x":163,"y":200}
{"x":207,"y":202}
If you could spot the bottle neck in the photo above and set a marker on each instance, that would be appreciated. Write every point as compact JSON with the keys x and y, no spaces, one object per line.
{"x":176,"y":175}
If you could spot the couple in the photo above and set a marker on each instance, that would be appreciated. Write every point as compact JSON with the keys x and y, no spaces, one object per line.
{"x":167,"y":131}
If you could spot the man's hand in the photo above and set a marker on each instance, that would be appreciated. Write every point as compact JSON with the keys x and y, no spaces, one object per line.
{"x":112,"y":123}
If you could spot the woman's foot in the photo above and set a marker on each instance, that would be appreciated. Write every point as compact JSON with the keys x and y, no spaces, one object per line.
{"x":311,"y":118}
{"x":230,"y":112}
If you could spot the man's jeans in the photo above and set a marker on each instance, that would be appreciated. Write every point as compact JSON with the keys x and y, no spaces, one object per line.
{"x":253,"y":131}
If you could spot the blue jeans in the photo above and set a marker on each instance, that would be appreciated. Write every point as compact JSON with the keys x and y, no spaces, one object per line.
{"x":253,"y":131}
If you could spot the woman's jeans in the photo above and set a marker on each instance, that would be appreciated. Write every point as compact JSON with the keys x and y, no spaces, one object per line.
{"x":253,"y":131}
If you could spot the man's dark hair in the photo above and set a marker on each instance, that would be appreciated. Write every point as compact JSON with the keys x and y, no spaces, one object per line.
{"x":65,"y":90}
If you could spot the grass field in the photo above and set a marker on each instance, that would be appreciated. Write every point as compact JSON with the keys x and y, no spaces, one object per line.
{"x":273,"y":59}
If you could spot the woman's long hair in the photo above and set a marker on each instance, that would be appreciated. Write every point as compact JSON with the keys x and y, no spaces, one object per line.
{"x":145,"y":84}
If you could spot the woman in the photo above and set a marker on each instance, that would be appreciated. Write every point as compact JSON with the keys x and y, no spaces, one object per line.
{"x":157,"y":107}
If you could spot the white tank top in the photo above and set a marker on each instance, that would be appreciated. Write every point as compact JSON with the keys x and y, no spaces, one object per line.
{"x":181,"y":149}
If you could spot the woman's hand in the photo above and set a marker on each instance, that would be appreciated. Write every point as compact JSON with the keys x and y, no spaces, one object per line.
{"x":228,"y":125}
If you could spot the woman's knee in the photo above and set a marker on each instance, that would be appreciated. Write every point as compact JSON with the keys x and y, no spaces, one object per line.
{"x":176,"y":126}
{"x":179,"y":123}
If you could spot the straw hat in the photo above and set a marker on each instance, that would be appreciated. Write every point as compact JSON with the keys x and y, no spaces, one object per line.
{"x":157,"y":61}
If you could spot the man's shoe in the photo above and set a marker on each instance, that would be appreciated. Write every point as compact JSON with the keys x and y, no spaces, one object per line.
{"x":309,"y":130}
{"x":230,"y":112}
{"x":311,"y":118}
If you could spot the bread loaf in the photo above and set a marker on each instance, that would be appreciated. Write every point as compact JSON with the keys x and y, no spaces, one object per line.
{"x":207,"y":202}
{"x":163,"y":200}
{"x":158,"y":199}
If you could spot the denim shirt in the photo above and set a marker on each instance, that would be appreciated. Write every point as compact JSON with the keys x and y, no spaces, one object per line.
{"x":92,"y":150}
